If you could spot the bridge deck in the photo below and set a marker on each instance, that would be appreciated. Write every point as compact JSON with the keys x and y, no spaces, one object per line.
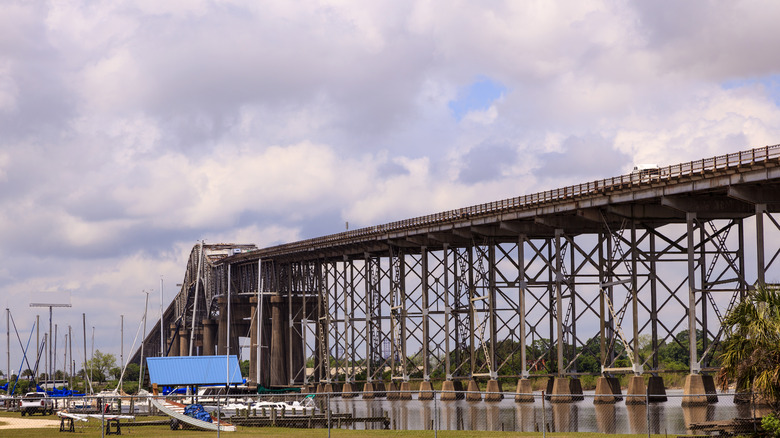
{"x":722,"y":187}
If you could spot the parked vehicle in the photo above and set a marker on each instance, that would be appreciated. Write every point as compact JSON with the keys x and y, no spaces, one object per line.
{"x":36,"y":402}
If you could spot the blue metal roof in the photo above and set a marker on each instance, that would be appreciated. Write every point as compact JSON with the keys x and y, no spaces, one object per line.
{"x":194,"y":370}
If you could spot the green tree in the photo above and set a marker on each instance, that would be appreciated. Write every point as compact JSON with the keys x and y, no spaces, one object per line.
{"x":244,"y":366}
{"x":131,"y":372}
{"x":99,"y":366}
{"x":750,"y":355}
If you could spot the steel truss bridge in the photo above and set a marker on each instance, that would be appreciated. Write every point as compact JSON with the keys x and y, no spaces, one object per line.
{"x":615,"y":268}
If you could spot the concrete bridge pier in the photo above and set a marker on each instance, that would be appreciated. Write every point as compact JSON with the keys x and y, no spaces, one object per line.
{"x":392,"y":391}
{"x":699,"y":390}
{"x":451,"y":390}
{"x":493,"y":392}
{"x":209,"y":337}
{"x":472,"y":392}
{"x":524,"y":391}
{"x":348,"y":390}
{"x":566,"y":390}
{"x":426,"y":391}
{"x":368,"y":391}
{"x":656,"y":389}
{"x":637,"y":391}
{"x":405,"y":391}
{"x":607,"y":391}
{"x":184,"y":342}
{"x":173,"y":341}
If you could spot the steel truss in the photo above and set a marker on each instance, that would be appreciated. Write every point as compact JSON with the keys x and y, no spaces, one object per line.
{"x":467,"y":311}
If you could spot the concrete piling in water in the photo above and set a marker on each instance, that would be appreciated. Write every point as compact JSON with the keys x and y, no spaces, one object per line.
{"x":637,"y":391}
{"x":524,"y":391}
{"x":368,"y":391}
{"x":709,"y":388}
{"x":656,"y":389}
{"x":426,"y":391}
{"x":347,"y":391}
{"x":451,"y":390}
{"x":693,"y":391}
{"x":405,"y":393}
{"x":566,"y":390}
{"x":392,"y":391}
{"x":473,"y":393}
{"x":607,"y":391}
{"x":493,"y":392}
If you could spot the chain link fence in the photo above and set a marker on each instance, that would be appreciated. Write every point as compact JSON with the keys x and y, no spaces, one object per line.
{"x":329,"y":414}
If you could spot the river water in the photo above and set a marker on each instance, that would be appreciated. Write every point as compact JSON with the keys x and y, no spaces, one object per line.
{"x":668,"y":417}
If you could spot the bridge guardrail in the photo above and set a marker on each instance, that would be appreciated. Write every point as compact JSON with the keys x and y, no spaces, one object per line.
{"x":740,"y":159}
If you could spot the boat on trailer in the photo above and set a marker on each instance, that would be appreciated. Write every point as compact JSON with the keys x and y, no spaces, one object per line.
{"x":175,"y":410}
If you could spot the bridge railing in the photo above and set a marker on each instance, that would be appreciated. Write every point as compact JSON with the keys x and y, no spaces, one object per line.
{"x":735,"y":160}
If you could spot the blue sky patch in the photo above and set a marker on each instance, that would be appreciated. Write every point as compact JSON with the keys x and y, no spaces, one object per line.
{"x":476,"y":97}
{"x":771,"y":85}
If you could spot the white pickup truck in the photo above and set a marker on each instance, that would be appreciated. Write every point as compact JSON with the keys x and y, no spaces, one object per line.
{"x":33,"y":402}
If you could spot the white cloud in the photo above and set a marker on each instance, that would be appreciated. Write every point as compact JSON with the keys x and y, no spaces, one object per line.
{"x":132,"y":129}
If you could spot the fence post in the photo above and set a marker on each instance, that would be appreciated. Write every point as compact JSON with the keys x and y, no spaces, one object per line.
{"x":647,"y":408}
{"x":219,"y":405}
{"x":544,"y":418}
{"x":435,"y":417}
{"x":102,"y":418}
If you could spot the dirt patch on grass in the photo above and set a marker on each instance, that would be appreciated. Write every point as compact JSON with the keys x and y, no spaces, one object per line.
{"x":28,"y":423}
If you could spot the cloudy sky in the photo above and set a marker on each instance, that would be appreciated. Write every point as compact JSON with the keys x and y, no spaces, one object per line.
{"x":130,"y":130}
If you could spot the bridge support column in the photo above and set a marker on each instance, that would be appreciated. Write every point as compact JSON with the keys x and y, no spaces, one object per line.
{"x":368,"y":391}
{"x":405,"y":393}
{"x":637,"y":392}
{"x":493,"y":393}
{"x":392,"y":391}
{"x":174,"y":341}
{"x":566,"y":390}
{"x":209,"y":337}
{"x":278,"y":344}
{"x":693,"y":391}
{"x":473,"y":393}
{"x":184,"y":342}
{"x":607,"y":391}
{"x":451,"y":390}
{"x":348,"y":390}
{"x":656,"y":389}
{"x":524,"y":391}
{"x":426,"y":391}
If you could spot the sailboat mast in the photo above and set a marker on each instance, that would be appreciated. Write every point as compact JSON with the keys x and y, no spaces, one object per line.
{"x":143,"y":342}
{"x":227,"y":350}
{"x":8,"y":341}
{"x":162,"y":337}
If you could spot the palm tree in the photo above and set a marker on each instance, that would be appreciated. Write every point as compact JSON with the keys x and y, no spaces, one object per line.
{"x":751,"y":356}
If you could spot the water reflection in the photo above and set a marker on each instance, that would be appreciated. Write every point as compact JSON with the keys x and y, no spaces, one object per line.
{"x":565,"y":417}
{"x":637,"y":418}
{"x":583,"y":416}
{"x":492,"y":417}
{"x":525,"y":418}
{"x":605,"y":418}
{"x":697,"y":414}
